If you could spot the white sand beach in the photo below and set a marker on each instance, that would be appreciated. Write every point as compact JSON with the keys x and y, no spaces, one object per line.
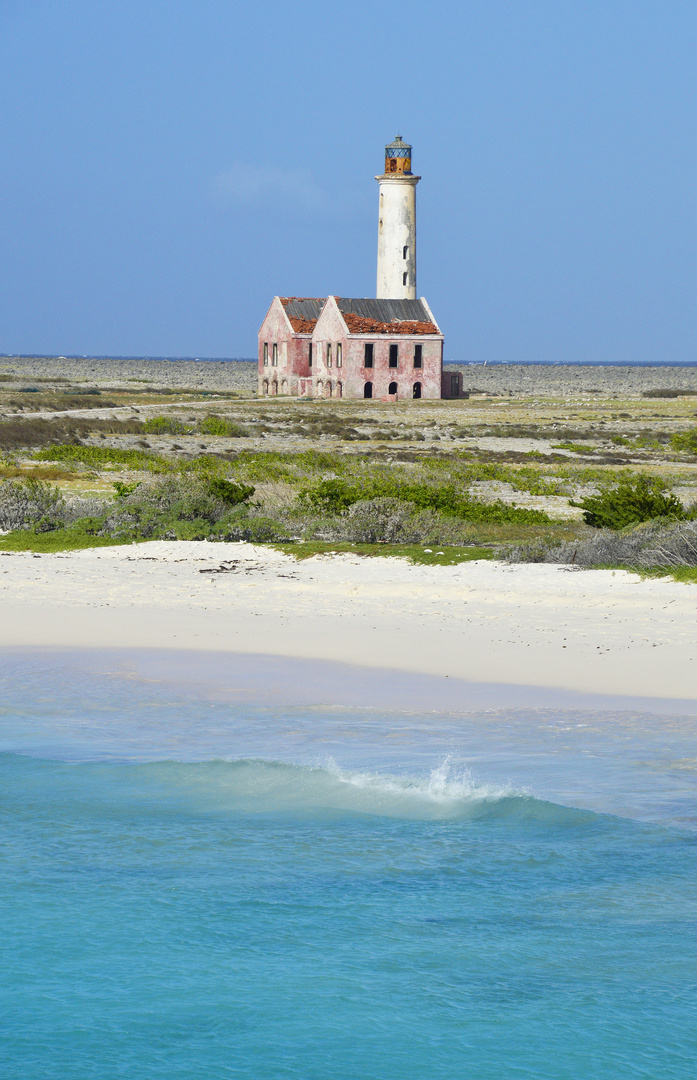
{"x":601,"y":632}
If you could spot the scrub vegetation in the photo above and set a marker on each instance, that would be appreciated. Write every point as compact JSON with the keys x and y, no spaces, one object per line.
{"x":661,"y":547}
{"x":591,"y":478}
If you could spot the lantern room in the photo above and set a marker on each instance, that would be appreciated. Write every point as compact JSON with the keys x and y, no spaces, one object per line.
{"x":398,"y":157}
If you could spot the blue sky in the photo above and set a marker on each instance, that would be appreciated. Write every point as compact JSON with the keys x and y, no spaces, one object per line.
{"x":167,"y":166}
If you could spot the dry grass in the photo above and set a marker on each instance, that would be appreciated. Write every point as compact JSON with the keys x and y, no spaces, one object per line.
{"x":29,"y":472}
{"x":37,"y":431}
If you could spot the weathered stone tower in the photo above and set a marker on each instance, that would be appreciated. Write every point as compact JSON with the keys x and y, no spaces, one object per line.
{"x":397,"y":225}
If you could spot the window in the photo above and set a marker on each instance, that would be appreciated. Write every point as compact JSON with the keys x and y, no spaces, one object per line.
{"x":274,"y":355}
{"x":418,"y":356}
{"x":339,"y":389}
{"x":405,"y":251}
{"x":404,"y":278}
{"x":329,"y":355}
{"x":392,"y":388}
{"x":454,"y":385}
{"x":266,"y":354}
{"x":309,"y":356}
{"x":394,"y":355}
{"x":368,"y":390}
{"x":416,"y":392}
{"x":368,"y":358}
{"x":339,"y":359}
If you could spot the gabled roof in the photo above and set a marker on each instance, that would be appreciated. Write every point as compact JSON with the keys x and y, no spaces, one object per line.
{"x":302,"y":311}
{"x":368,"y":316}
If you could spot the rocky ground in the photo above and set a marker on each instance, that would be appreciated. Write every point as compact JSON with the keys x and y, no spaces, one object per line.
{"x":567,"y":425}
{"x":562,"y":379}
{"x":239,"y":376}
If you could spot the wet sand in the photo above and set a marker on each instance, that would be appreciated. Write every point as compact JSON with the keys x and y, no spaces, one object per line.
{"x":541,"y":627}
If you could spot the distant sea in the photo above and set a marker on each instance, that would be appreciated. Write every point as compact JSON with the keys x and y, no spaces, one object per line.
{"x":200,"y":884}
{"x":457,"y":363}
{"x":576,"y":363}
{"x":135,"y":359}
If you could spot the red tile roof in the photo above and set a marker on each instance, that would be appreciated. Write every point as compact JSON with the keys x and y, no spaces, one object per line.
{"x":297,"y":316}
{"x":303,"y":312}
{"x":358,"y":324}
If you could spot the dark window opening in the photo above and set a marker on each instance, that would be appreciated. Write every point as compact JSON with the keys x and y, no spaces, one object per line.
{"x":266,"y":353}
{"x":405,"y":251}
{"x":368,"y":390}
{"x":309,"y":356}
{"x":404,"y":278}
{"x":392,"y":388}
{"x":418,"y":356}
{"x":416,"y":393}
{"x":394,"y":355}
{"x":274,"y":356}
{"x":454,"y":385}
{"x":368,"y":358}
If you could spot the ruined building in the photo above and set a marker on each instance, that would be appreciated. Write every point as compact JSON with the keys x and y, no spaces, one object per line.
{"x":390,"y":347}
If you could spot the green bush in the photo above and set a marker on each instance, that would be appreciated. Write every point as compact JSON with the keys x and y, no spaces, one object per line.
{"x":96,"y":457}
{"x":218,"y":425}
{"x":331,"y":496}
{"x":30,"y":503}
{"x":164,"y":425}
{"x":685,"y":441}
{"x":175,"y":507}
{"x":230,"y":493}
{"x":124,"y":490}
{"x":337,"y":495}
{"x":629,"y":501}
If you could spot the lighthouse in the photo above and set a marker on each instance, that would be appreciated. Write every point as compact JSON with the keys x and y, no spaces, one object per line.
{"x":397,"y":225}
{"x":386,"y":348}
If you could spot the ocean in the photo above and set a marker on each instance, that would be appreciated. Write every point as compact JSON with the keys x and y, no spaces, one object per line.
{"x":202,"y":880}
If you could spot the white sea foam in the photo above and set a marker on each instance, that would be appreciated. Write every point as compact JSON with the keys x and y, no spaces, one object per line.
{"x":444,"y":792}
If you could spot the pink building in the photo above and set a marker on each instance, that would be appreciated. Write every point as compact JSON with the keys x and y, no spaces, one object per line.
{"x":285,"y":346}
{"x":355,"y":348}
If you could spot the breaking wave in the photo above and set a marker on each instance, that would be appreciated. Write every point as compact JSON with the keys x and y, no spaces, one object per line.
{"x":447,"y":793}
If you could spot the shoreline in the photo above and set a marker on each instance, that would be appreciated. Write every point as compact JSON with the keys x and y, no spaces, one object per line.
{"x":540,"y":628}
{"x":272,"y":681}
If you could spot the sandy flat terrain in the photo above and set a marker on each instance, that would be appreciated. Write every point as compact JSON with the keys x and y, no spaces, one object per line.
{"x":605,"y":632}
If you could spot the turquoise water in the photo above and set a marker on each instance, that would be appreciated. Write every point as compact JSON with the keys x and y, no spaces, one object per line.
{"x":194,"y":887}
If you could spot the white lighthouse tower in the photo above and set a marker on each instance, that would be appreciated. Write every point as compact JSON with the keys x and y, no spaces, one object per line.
{"x":397,"y":225}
